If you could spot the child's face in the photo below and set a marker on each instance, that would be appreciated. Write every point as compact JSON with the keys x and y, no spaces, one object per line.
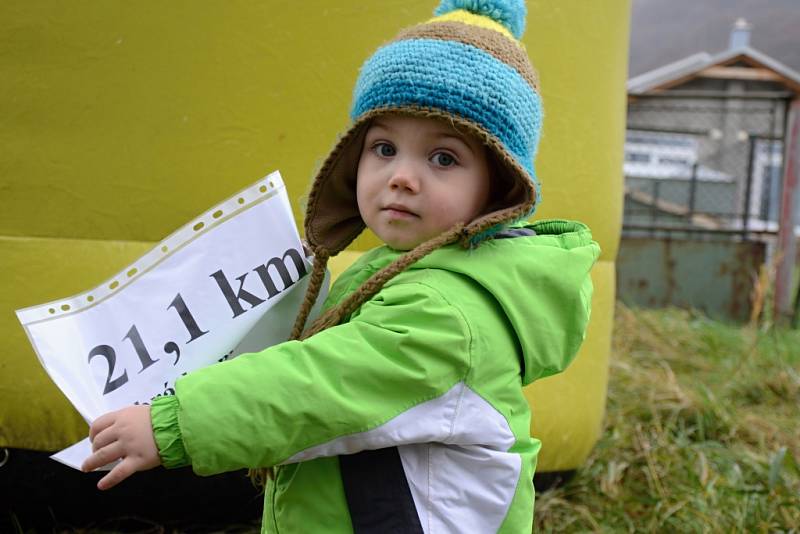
{"x":418,"y":177}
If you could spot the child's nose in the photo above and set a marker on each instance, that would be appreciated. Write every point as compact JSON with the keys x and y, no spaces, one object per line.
{"x":404,"y":177}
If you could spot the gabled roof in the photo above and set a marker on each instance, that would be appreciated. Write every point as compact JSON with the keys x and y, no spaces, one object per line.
{"x":704,"y":64}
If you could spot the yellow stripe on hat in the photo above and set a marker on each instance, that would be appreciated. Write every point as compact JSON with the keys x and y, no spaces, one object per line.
{"x":461,"y":15}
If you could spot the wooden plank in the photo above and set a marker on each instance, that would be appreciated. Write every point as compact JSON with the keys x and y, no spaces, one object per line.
{"x":789,"y":216}
{"x":741,"y":73}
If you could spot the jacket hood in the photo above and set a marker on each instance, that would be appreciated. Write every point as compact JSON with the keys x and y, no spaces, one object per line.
{"x":550,"y":316}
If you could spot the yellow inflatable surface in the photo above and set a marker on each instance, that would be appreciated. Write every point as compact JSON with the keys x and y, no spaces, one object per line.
{"x":121,"y":121}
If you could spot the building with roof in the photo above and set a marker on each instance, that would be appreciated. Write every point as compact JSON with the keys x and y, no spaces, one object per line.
{"x":708,"y":150}
{"x":706,"y":133}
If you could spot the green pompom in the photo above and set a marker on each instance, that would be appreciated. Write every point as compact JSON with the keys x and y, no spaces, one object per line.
{"x":509,"y":13}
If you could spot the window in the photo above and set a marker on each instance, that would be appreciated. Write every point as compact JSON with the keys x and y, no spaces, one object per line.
{"x":637,"y":157}
{"x":674,"y":161}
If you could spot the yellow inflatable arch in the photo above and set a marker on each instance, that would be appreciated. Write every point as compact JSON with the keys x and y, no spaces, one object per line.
{"x":121,"y":121}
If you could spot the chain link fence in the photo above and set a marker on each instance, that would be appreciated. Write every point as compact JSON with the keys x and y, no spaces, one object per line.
{"x":704,"y":167}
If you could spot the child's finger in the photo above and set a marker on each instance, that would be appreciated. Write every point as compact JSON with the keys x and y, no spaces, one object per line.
{"x":121,"y":471}
{"x":100,"y":424}
{"x":105,"y":437}
{"x":102,"y":457}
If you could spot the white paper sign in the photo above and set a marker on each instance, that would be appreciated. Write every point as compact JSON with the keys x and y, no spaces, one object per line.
{"x":229,"y":282}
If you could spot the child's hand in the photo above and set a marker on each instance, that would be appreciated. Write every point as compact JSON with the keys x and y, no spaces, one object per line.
{"x":126,"y":434}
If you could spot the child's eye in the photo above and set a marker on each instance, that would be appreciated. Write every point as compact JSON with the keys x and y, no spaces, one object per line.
{"x":443,"y":159}
{"x":384,"y":150}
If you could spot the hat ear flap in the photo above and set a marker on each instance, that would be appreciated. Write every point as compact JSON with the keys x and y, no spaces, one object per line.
{"x":332,"y":217}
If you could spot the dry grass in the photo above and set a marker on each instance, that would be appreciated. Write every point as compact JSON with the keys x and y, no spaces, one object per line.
{"x":702,"y":432}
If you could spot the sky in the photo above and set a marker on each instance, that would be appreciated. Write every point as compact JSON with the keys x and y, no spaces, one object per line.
{"x":663,"y":31}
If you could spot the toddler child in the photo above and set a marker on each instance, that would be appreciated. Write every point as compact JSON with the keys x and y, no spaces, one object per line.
{"x":401,"y":408}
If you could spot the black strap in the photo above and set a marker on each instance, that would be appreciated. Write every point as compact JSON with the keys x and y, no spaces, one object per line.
{"x":377,"y":493}
{"x":514,"y":232}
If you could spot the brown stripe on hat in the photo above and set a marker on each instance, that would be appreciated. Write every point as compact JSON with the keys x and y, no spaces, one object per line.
{"x":493,"y":42}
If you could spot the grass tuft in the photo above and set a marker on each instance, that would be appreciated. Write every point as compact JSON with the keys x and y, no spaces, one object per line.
{"x":702,"y":432}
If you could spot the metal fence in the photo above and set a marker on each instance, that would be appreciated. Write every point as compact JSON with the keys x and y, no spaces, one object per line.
{"x":699,"y":166}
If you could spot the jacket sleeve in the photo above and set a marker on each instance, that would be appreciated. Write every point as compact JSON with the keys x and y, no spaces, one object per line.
{"x":405,"y":346}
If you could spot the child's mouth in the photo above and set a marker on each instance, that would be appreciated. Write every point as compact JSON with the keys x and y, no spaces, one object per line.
{"x":399,"y":211}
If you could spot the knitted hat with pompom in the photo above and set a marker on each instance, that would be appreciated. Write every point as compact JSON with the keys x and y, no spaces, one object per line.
{"x":465,"y":65}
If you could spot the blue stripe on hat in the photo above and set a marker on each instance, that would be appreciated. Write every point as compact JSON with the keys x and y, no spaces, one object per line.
{"x":459,"y":79}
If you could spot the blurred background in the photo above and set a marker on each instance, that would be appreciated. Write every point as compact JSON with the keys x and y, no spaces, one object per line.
{"x":710,"y":156}
{"x":663,"y":32}
{"x":702,"y":432}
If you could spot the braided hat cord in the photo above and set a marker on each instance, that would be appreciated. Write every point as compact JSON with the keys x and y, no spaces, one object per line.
{"x":374,"y":283}
{"x":317,"y":276}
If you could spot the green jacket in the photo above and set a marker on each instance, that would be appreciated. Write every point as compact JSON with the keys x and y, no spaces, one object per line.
{"x":425,"y":378}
